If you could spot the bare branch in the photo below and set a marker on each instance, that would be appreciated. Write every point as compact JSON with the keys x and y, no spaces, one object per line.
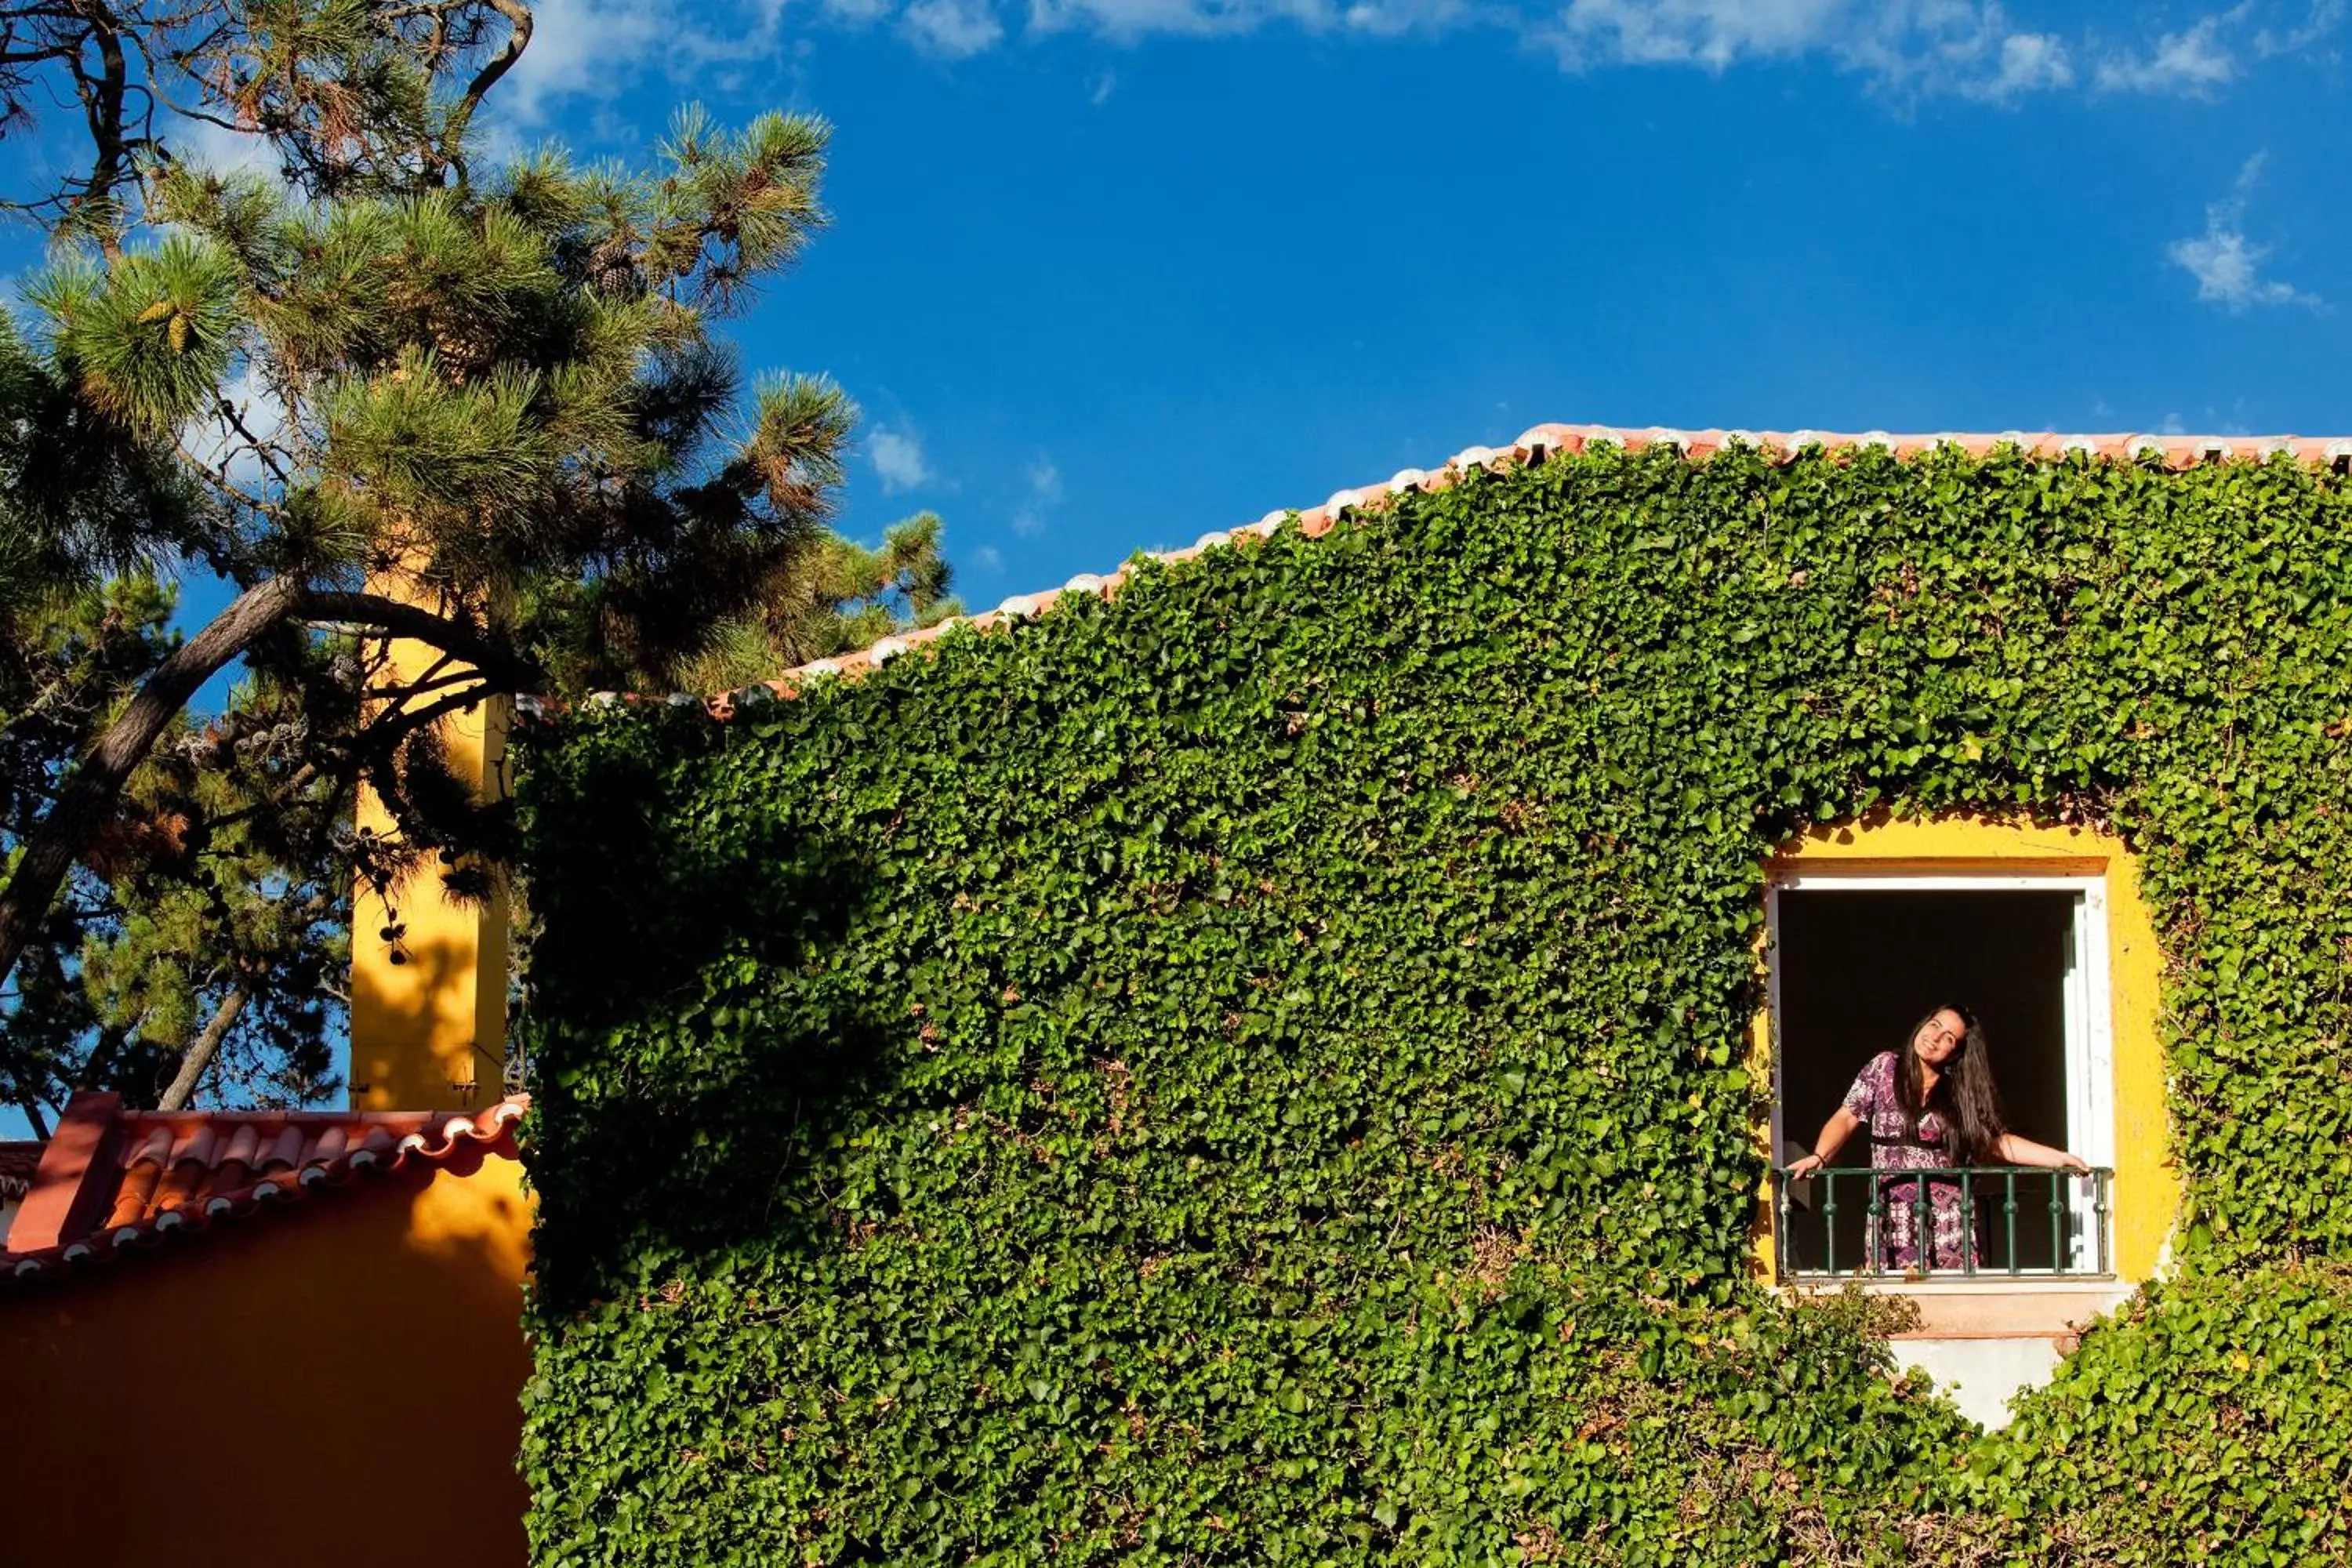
{"x":32,"y":1110}
{"x":265,"y":451}
{"x":519,"y":21}
{"x":203,"y":1048}
{"x":102,"y":108}
{"x":504,"y":670}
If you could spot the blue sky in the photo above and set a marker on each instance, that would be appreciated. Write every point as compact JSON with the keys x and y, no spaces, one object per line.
{"x":1108,"y":274}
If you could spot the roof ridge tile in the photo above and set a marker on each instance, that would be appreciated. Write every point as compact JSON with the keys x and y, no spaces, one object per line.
{"x":245,"y":1171}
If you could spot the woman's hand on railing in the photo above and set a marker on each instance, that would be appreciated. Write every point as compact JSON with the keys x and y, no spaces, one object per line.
{"x":1804,"y":1167}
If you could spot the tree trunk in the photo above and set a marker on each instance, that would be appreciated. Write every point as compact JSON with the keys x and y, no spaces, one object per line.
{"x":202,"y":1050}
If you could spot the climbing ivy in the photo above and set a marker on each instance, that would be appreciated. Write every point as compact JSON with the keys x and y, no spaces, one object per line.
{"x":2205,"y":1423}
{"x":1250,"y":1071}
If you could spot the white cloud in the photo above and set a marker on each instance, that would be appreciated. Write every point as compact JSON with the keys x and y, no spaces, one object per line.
{"x":1961,"y":46}
{"x":1394,"y":18}
{"x":1969,"y":48}
{"x":2030,"y":62}
{"x":220,"y":149}
{"x":1710,"y":33}
{"x":2211,"y":422}
{"x":897,"y":458}
{"x":2226,"y":264}
{"x":1044,"y":490}
{"x":2194,"y":63}
{"x":2228,"y":269}
{"x":574,"y":49}
{"x":594,"y":48}
{"x":2324,"y":18}
{"x":951,"y":28}
{"x":1127,"y":20}
{"x":989,"y":558}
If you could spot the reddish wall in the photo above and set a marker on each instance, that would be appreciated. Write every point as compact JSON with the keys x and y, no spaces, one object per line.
{"x":337,"y":1385}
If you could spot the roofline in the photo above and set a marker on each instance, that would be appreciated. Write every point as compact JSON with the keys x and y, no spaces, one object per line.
{"x":1533,"y":446}
{"x":60,"y":1227}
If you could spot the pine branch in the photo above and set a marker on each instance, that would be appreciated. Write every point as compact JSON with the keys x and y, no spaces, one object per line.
{"x":89,"y":796}
{"x":82,"y":807}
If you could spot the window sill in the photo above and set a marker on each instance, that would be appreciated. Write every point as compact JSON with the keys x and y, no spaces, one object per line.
{"x":2023,"y":1308}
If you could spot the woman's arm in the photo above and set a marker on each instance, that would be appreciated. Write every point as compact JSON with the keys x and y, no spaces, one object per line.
{"x":1834,"y":1132}
{"x":2019,"y":1150}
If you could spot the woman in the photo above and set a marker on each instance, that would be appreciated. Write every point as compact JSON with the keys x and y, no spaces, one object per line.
{"x":1931,"y":1105}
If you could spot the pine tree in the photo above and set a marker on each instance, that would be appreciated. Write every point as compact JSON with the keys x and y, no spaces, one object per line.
{"x":199,"y":941}
{"x":504,"y":388}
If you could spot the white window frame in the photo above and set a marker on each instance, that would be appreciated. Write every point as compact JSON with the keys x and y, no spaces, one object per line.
{"x":2089,"y":1000}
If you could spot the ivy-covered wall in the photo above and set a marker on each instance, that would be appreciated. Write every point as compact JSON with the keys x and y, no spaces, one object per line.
{"x":1249,"y":1071}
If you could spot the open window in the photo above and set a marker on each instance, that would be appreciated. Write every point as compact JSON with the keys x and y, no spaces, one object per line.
{"x":1857,"y":955}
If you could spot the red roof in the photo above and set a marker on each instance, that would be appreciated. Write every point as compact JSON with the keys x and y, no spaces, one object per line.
{"x":113,"y":1182}
{"x":1533,"y":446}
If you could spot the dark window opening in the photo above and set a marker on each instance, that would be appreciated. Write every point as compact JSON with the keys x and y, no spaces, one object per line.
{"x":1855,"y":968}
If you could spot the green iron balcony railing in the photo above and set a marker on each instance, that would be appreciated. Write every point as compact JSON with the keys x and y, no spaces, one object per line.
{"x":1948,"y":1222}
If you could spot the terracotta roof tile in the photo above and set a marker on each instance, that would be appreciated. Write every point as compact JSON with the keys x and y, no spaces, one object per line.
{"x":1534,"y":445}
{"x":112,"y":1180}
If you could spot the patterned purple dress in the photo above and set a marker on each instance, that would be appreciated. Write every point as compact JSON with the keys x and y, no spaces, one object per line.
{"x":1895,"y":1146}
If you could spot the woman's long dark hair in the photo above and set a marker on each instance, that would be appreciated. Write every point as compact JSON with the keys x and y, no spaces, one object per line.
{"x":1965,"y":1093}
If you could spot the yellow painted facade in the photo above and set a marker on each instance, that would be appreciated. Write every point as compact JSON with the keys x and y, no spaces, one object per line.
{"x":429,"y":1003}
{"x":2147,"y":1194}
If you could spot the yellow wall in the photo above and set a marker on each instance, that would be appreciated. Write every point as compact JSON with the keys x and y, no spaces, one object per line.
{"x":338,"y":1384}
{"x":428,"y":1009}
{"x":2146,"y":1188}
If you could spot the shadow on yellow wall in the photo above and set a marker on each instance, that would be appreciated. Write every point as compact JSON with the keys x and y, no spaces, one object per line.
{"x":428,"y":1008}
